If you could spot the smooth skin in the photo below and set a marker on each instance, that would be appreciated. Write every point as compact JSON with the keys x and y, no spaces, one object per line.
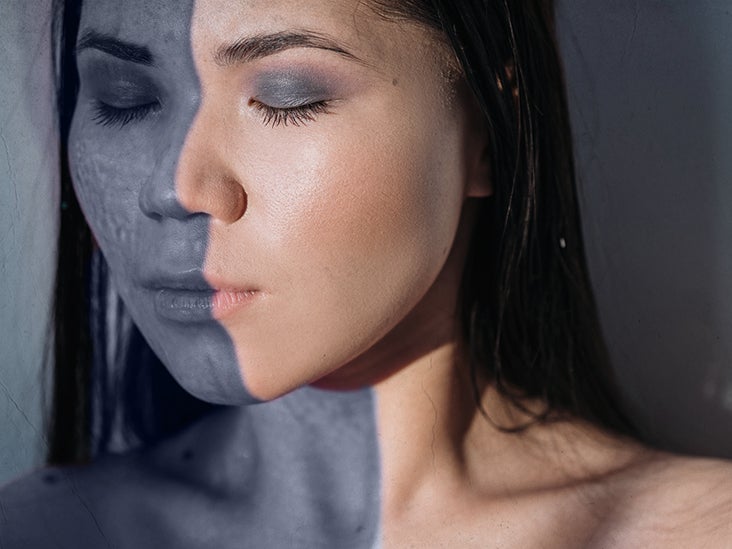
{"x":334,"y":243}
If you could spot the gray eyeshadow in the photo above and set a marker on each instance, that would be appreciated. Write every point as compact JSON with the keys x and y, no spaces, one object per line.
{"x":291,"y":89}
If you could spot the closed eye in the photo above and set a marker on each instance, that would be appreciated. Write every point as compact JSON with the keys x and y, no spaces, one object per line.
{"x":109,"y":115}
{"x":296,"y":116}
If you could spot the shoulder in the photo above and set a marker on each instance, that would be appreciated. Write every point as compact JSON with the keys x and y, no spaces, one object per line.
{"x":60,"y":506}
{"x":672,"y":501}
{"x":46,"y":505}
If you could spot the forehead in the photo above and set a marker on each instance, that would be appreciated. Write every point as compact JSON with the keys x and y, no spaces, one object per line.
{"x":165,"y":24}
{"x":139,"y":19}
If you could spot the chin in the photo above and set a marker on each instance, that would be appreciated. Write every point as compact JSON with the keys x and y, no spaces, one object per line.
{"x":264,"y":386}
{"x":202,"y":360}
{"x":215,"y":383}
{"x":268,"y":376}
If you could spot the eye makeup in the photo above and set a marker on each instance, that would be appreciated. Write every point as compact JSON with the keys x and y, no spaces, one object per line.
{"x":293,"y":97}
{"x":295,"y":116}
{"x":291,"y":89}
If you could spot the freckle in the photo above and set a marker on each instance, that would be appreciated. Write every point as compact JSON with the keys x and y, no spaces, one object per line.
{"x":50,"y":478}
{"x":187,"y":455}
{"x":395,"y":82}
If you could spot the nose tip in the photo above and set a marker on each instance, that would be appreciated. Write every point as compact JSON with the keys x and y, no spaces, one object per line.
{"x":161,"y":202}
{"x":197,"y":174}
{"x":186,"y":187}
{"x":222,"y":198}
{"x":157,"y":197}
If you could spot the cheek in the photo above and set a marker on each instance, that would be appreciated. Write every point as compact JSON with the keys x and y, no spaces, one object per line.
{"x":348,"y":232}
{"x":107,"y":188}
{"x":353,"y":203}
{"x":109,"y":177}
{"x":376,"y":207}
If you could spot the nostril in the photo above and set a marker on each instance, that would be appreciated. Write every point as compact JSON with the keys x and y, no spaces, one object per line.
{"x":146,"y":205}
{"x":158,"y":200}
{"x":223,"y":198}
{"x":238,"y":204}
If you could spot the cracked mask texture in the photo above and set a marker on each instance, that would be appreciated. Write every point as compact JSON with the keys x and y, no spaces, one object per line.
{"x":316,"y":474}
{"x":214,"y":167}
{"x":125,"y":180}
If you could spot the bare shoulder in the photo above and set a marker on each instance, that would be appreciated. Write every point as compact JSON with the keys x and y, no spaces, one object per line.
{"x":672,"y":501}
{"x":57,"y":507}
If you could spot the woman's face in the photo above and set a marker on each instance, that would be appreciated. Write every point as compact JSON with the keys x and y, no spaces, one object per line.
{"x":275,"y":184}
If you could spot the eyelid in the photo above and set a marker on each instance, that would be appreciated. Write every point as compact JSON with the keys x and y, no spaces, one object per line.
{"x":295,"y":116}
{"x":130,"y":102}
{"x":107,"y":80}
{"x":287,"y":102}
{"x":289,"y":89}
{"x":114,"y":116}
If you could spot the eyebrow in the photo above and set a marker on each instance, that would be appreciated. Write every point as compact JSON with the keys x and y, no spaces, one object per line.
{"x":118,"y":48}
{"x":251,"y":48}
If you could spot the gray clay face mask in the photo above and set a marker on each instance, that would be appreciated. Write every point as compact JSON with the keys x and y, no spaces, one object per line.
{"x":134,"y":110}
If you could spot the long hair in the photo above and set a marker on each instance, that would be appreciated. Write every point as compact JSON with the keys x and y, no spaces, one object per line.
{"x":528,"y":314}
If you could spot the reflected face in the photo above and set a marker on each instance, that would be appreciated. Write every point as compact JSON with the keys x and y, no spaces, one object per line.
{"x":275,"y":184}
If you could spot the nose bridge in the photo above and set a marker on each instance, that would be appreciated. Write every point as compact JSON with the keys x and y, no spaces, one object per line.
{"x":159,"y":196}
{"x":205,"y":180}
{"x":196,"y":159}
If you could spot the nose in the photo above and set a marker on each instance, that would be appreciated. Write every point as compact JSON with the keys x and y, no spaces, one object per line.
{"x":197,"y":180}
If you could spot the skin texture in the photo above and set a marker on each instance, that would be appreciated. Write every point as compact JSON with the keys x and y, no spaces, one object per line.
{"x":262,"y":252}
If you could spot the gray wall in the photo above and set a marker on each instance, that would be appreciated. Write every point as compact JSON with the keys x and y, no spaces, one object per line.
{"x":28,"y":204}
{"x":650,"y":86}
{"x":651,"y":95}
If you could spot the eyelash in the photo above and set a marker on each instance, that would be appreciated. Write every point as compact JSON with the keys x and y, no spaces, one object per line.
{"x":297,"y":116}
{"x":107,"y":115}
{"x":110,"y":116}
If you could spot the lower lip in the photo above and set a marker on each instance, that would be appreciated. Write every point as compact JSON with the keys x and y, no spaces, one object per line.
{"x":200,"y":305}
{"x":224,"y":302}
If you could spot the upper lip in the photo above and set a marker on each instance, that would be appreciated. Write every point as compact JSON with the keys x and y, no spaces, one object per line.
{"x":191,"y":281}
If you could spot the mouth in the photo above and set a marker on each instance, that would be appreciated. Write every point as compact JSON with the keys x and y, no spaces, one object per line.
{"x":224,"y":302}
{"x":193,"y":305}
{"x":181,"y":299}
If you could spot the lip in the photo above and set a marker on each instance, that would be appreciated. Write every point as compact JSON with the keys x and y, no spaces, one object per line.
{"x":226,"y":302}
{"x":189,"y":297}
{"x":195,"y":305}
{"x":191,"y":280}
{"x":184,"y":305}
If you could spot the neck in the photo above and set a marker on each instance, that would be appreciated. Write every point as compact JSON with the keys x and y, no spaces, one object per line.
{"x":428,"y":423}
{"x":424,"y":417}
